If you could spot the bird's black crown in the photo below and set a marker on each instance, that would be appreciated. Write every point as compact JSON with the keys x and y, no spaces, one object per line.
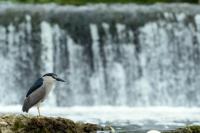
{"x":50,"y":74}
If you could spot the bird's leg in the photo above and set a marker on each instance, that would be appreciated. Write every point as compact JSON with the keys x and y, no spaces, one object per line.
{"x":38,"y":108}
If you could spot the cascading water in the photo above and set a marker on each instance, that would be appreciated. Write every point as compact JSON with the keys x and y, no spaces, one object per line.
{"x":128,"y":55}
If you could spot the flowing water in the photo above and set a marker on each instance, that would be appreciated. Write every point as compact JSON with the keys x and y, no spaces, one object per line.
{"x":130,"y":58}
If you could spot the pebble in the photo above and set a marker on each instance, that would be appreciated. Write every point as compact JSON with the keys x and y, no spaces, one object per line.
{"x":153,"y":131}
{"x":3,"y":123}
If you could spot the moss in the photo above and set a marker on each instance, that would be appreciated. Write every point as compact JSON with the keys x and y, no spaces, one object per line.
{"x":51,"y":125}
{"x":188,"y":129}
{"x":18,"y":124}
{"x":30,"y":124}
{"x":195,"y":129}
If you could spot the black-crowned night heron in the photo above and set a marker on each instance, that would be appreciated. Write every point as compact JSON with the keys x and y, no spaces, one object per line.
{"x":39,"y":91}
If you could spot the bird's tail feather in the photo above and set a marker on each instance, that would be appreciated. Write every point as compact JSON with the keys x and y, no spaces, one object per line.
{"x":25,"y":106}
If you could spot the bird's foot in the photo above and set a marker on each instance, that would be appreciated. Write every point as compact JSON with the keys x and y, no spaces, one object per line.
{"x":25,"y":116}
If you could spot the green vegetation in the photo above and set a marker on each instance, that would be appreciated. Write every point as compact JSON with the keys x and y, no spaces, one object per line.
{"x":30,"y":124}
{"x":188,"y":129}
{"x":79,"y":2}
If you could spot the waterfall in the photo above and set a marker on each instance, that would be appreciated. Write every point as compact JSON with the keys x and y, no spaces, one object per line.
{"x":120,"y":55}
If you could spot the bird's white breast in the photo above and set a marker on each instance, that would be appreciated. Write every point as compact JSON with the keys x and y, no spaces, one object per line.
{"x":49,"y":83}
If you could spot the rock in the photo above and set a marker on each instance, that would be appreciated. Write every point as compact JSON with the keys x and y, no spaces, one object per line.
{"x":30,"y":124}
{"x":187,"y":129}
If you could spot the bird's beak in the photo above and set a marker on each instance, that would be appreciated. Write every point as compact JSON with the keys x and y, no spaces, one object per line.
{"x":59,"y":79}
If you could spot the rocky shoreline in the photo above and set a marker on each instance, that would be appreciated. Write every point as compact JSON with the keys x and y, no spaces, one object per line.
{"x":31,"y":124}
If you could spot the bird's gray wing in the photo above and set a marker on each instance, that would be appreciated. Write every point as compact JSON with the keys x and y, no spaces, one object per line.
{"x":38,"y":83}
{"x":33,"y":99}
